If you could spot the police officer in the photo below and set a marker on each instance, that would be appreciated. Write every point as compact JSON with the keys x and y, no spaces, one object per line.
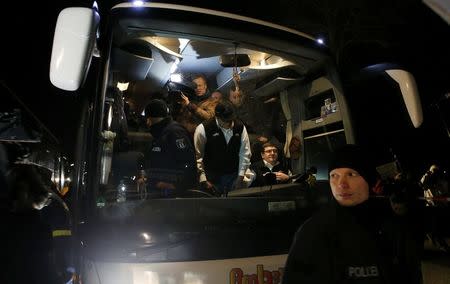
{"x":343,"y":242}
{"x":170,"y":160}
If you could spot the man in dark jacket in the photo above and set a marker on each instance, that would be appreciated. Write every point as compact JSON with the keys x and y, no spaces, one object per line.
{"x":222,"y":149}
{"x":27,"y":252}
{"x":269,"y":170}
{"x":343,"y":243}
{"x":170,"y":161}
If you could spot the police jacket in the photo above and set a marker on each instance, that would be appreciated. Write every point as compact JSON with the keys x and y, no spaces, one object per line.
{"x":171,"y":157}
{"x":261,"y":170}
{"x":338,"y":245}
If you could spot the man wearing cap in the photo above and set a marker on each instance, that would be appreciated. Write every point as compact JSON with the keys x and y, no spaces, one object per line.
{"x":170,"y":164}
{"x":222,"y":150}
{"x":344,"y":242}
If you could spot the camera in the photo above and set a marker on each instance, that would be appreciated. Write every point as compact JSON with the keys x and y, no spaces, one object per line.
{"x":175,"y":95}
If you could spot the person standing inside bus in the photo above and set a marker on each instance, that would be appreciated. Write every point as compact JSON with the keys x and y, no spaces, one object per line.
{"x":170,"y":162}
{"x":345,"y":242}
{"x":199,"y":108}
{"x":222,"y":150}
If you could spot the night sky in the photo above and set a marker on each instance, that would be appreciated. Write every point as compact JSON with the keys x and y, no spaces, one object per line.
{"x":411,"y":34}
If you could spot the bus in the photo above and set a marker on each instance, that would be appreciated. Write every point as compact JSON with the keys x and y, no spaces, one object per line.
{"x":289,"y":91}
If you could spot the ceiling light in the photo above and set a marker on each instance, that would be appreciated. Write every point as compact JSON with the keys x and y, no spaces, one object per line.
{"x":176,"y":77}
{"x":138,"y":3}
{"x":122,"y":86}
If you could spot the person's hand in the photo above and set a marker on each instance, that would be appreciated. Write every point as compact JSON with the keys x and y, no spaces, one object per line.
{"x":239,"y":182}
{"x":184,"y":100}
{"x":206,"y":185}
{"x":281,"y":176}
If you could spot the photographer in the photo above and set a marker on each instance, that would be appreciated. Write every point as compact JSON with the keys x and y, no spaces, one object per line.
{"x":197,"y":109}
{"x":28,"y":249}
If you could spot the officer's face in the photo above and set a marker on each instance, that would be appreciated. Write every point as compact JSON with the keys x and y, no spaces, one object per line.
{"x":348,"y":186}
{"x":270,"y":155}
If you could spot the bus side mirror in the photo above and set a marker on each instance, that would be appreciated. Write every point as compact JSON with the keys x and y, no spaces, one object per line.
{"x":73,"y":46}
{"x":410,"y":94}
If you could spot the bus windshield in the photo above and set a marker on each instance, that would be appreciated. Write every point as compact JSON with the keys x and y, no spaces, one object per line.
{"x":165,"y":78}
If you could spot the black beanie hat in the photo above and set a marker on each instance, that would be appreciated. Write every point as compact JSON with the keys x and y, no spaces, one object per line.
{"x":156,"y":108}
{"x":356,"y":158}
{"x":225,"y":110}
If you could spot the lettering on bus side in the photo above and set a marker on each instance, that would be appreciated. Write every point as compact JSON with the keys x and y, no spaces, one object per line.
{"x":262,"y":276}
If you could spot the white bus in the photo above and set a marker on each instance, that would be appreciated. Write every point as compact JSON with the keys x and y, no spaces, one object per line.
{"x":289,"y":87}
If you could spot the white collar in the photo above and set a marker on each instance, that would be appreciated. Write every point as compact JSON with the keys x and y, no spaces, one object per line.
{"x":269,"y":165}
{"x":225,"y":129}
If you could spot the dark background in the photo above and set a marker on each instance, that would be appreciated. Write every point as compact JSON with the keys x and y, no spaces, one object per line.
{"x":358,"y":32}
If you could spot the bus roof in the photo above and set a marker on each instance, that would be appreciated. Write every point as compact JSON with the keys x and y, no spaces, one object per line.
{"x":215,"y":13}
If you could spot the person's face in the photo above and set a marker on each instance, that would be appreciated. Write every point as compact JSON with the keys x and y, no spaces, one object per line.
{"x":153,"y":120}
{"x":270,"y":155}
{"x":225,"y":124}
{"x":200,"y":86}
{"x":148,"y":121}
{"x":216,"y":95}
{"x":349,"y":188}
{"x":399,"y":208}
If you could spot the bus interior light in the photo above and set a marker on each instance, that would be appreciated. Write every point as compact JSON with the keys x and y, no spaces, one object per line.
{"x":138,"y":3}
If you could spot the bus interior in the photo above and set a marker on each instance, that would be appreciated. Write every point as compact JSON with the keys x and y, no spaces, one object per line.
{"x":281,"y":94}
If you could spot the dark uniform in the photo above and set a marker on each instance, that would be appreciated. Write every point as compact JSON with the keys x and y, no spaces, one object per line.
{"x":351,"y":242}
{"x":338,"y":245}
{"x":261,"y":171}
{"x":347,"y":245}
{"x":171,"y":157}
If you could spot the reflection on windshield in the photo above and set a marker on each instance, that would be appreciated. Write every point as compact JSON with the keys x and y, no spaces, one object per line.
{"x":195,"y":123}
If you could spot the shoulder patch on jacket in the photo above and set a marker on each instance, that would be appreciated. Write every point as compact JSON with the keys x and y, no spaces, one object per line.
{"x":180,"y":143}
